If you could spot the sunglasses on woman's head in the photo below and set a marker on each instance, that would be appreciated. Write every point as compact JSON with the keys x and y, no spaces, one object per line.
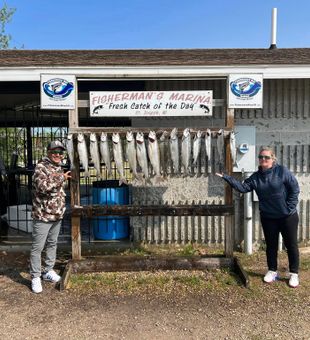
{"x":264,"y":157}
{"x":57,"y":152}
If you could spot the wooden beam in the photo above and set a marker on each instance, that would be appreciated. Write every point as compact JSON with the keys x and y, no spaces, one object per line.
{"x":153,"y":210}
{"x":75,"y":187}
{"x":229,"y":226}
{"x":63,"y":284}
{"x":123,"y":130}
{"x":148,"y":263}
{"x":241,"y":272}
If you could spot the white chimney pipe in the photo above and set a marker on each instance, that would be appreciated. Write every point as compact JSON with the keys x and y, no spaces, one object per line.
{"x":273,"y":29}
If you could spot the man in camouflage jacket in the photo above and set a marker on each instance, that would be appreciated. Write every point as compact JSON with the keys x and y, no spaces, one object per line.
{"x":48,"y":207}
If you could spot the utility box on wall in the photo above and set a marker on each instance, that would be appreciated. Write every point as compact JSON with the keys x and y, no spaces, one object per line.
{"x":245,"y":144}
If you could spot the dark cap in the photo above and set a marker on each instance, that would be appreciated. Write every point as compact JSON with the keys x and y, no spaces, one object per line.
{"x":55,"y":144}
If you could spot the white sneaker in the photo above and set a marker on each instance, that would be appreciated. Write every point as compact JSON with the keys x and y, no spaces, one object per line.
{"x":51,"y":276}
{"x":36,"y":286}
{"x":294,"y":280}
{"x":271,"y":276}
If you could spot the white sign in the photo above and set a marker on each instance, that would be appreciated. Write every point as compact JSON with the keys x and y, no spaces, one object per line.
{"x":245,"y":91}
{"x":58,"y":91}
{"x":150,"y":103}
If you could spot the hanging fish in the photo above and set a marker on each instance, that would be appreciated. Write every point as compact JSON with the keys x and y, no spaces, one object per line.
{"x":131,"y":154}
{"x":153,"y":152}
{"x":83,"y":154}
{"x":220,"y":145}
{"x":233,"y":149}
{"x":70,"y":150}
{"x":94,"y":153}
{"x":174,"y":150}
{"x":118,"y":157}
{"x":105,"y":152}
{"x":186,"y":150}
{"x":163,"y":153}
{"x":208,"y":143}
{"x":142,"y":155}
{"x":196,"y":146}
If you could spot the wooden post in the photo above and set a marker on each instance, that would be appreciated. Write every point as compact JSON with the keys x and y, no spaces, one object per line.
{"x":229,"y":227}
{"x":75,"y":187}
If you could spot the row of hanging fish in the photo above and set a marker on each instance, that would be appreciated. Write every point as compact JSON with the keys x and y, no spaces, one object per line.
{"x":165,"y":154}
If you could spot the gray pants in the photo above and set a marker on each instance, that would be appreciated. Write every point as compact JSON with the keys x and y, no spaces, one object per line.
{"x":43,"y":234}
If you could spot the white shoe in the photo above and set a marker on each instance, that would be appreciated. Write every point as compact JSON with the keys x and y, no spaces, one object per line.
{"x":270,"y":276}
{"x":294,"y":280}
{"x":51,"y":276}
{"x":36,"y":285}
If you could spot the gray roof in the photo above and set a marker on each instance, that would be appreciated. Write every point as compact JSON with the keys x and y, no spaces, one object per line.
{"x":153,"y":57}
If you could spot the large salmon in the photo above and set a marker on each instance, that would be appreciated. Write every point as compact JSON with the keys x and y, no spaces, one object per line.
{"x":70,"y":150}
{"x":94,"y":153}
{"x":142,"y":155}
{"x":208,"y":144}
{"x":233,"y":149}
{"x":83,"y":153}
{"x":164,"y":153}
{"x":105,"y":152}
{"x":186,"y":150}
{"x":196,"y":146}
{"x":131,"y":154}
{"x":174,"y":150}
{"x":153,"y":152}
{"x":118,"y":157}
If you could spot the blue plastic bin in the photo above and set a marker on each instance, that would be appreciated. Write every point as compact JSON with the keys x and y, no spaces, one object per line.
{"x":110,"y":227}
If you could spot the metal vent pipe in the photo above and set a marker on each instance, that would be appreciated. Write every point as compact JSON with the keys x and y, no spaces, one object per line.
{"x":273,"y":44}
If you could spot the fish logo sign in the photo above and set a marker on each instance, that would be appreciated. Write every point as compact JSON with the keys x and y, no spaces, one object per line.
{"x":57,"y":88}
{"x":245,"y":88}
{"x":205,"y":108}
{"x":97,"y":109}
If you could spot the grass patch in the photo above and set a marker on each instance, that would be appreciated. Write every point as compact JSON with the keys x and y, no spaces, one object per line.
{"x":140,"y":250}
{"x":159,"y":282}
{"x":171,"y":249}
{"x":188,"y":250}
{"x":255,"y":265}
{"x":221,"y":281}
{"x":305,"y":263}
{"x":191,"y":280}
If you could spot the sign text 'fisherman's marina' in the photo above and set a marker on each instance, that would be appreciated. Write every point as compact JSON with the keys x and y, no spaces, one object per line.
{"x":150,"y":103}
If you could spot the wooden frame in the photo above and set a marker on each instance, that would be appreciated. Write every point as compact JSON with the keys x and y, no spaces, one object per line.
{"x":226,"y":210}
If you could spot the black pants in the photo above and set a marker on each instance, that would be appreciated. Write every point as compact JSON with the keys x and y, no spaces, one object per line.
{"x":288,"y":229}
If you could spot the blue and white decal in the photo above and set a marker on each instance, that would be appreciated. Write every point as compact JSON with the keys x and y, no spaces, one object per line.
{"x":58,"y":88}
{"x":245,"y":88}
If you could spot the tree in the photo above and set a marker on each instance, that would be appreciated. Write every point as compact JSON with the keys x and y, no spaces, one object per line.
{"x":6,"y":15}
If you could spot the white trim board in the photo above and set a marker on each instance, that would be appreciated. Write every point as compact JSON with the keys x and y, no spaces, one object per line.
{"x":120,"y":72}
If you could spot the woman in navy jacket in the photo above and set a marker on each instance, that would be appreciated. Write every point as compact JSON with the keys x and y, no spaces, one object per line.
{"x":277,"y":190}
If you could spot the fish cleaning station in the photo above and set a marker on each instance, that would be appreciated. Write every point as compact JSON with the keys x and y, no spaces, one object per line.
{"x":155,"y":155}
{"x":171,"y":154}
{"x":146,"y":132}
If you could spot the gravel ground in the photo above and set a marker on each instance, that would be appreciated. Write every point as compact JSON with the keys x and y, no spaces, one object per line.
{"x":155,"y":308}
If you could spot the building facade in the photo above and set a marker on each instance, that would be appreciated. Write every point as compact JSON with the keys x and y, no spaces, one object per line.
{"x":282,"y":123}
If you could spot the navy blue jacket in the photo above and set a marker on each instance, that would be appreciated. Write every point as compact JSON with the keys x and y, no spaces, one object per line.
{"x":276,"y":188}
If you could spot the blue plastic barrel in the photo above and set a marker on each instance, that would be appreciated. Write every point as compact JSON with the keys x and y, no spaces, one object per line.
{"x":110,"y":227}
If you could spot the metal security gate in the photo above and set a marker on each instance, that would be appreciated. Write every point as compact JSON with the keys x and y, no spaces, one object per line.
{"x":24,"y":134}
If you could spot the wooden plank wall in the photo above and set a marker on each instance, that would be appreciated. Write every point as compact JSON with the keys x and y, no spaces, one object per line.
{"x":284,"y":124}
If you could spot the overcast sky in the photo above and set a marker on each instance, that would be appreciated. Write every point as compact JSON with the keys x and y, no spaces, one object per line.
{"x":129,"y":24}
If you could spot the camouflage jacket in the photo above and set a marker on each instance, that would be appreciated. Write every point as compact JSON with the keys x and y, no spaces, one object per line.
{"x":48,"y":202}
